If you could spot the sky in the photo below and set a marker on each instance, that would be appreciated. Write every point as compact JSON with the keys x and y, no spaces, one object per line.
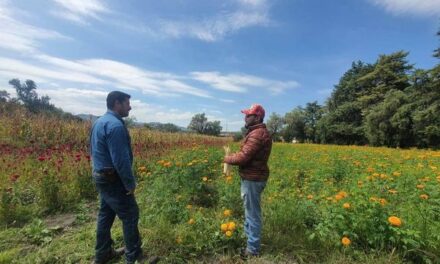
{"x":177,"y":58}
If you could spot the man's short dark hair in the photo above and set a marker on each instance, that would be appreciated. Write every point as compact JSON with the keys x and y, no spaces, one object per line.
{"x":114,"y":96}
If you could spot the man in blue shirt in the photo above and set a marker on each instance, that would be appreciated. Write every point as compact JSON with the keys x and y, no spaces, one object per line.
{"x":112,"y":159}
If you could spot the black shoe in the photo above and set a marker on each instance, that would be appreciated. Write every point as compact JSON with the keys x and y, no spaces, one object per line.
{"x":110,"y":256}
{"x":246,"y":254}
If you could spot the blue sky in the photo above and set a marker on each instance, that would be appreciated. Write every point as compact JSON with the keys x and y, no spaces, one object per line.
{"x":181,"y":57}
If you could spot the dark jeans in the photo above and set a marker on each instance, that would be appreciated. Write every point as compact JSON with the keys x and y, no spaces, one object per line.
{"x":114,"y":201}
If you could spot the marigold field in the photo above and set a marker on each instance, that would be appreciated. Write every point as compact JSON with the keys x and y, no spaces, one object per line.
{"x":322,"y":204}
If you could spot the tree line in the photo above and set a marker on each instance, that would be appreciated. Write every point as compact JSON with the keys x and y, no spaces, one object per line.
{"x":386,"y":103}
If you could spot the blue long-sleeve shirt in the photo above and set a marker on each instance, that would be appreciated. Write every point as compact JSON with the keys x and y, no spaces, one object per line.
{"x":111,"y":147}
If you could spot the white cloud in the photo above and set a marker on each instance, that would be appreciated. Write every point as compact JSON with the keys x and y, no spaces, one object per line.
{"x":22,"y":68}
{"x":99,"y":71}
{"x":19,"y":36}
{"x":240,"y":83}
{"x":227,"y":101}
{"x":79,"y":10}
{"x":248,"y":13}
{"x":419,"y":7}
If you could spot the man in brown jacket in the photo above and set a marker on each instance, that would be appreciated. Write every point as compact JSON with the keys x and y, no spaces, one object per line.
{"x":254,"y":172}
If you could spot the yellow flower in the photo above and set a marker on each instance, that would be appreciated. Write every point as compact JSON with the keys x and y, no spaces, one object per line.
{"x":394,"y":221}
{"x":191,"y":221}
{"x":227,"y":213}
{"x":189,"y":206}
{"x":228,"y":179}
{"x":382,"y":201}
{"x":228,"y":233}
{"x":396,"y":173}
{"x":392,"y":191}
{"x":205,"y":178}
{"x":424,"y":196}
{"x":231,"y":226}
{"x":224,"y":227}
{"x":343,"y":194}
{"x":420,"y":186}
{"x":338,"y":197}
{"x":346,"y":241}
{"x":310,"y":197}
{"x":346,"y":206}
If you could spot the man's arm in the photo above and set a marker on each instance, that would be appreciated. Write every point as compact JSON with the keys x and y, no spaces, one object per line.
{"x":247,"y":152}
{"x":119,"y":149}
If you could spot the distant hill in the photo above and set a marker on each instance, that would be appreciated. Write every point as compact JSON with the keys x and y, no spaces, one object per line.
{"x":88,"y":117}
{"x":151,"y":125}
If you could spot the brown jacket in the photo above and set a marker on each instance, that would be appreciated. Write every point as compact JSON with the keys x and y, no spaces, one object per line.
{"x":253,"y":155}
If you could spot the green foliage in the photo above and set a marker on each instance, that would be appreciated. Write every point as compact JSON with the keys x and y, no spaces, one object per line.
{"x":49,"y":197}
{"x":28,"y":96}
{"x":37,"y":233}
{"x":295,"y":125}
{"x":274,"y":125}
{"x":389,"y":123}
{"x":200,"y":124}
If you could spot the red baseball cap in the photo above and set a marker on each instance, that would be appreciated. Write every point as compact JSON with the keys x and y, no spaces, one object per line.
{"x":255,"y":109}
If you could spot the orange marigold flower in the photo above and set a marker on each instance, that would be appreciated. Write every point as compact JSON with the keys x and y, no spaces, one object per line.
{"x":310,"y":197}
{"x":227,"y":212}
{"x":394,"y":221}
{"x":383,"y":201}
{"x":224,"y":227}
{"x":346,"y":206}
{"x":424,"y":196}
{"x":346,"y":241}
{"x":231,"y":226}
{"x":343,"y":194}
{"x":420,"y":186}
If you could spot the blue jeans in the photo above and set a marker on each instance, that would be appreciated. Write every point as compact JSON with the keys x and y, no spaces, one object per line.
{"x":114,"y":201}
{"x":251,"y":195}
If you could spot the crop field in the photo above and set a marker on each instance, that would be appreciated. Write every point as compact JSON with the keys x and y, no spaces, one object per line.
{"x":322,"y":204}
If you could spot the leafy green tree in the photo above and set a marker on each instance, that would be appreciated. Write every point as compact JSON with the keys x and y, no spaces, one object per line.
{"x":313,"y":112}
{"x":169,"y":127}
{"x":4,"y":96}
{"x":390,"y":73}
{"x":274,"y":125}
{"x":342,"y":115}
{"x":198,"y":123}
{"x":26,"y":94}
{"x":389,"y":123}
{"x":295,"y":123}
{"x":212,"y":128}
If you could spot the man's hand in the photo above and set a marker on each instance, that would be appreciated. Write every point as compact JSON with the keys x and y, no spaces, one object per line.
{"x":131,"y":192}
